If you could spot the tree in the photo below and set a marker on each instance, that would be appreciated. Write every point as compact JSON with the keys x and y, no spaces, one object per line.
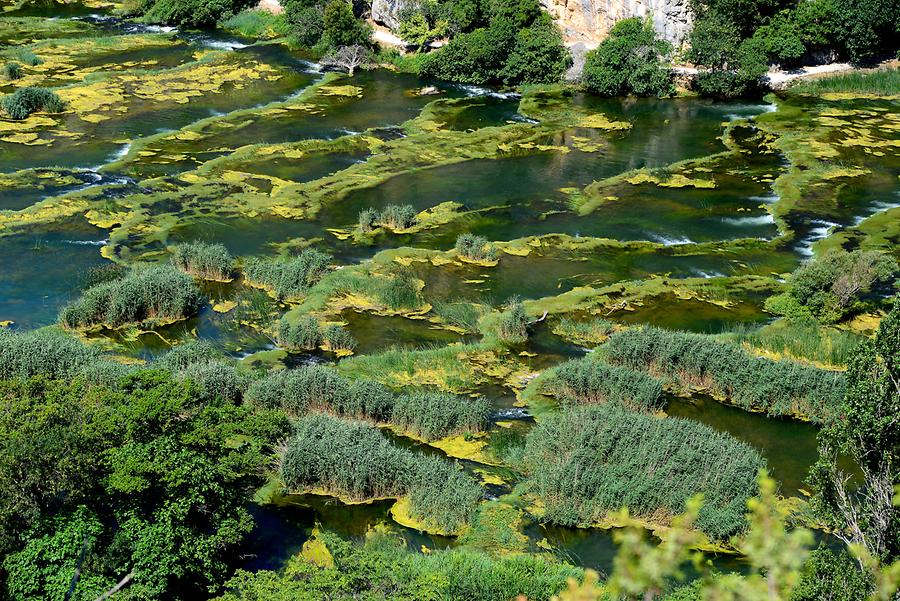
{"x":632,"y":60}
{"x":782,"y":40}
{"x":868,"y":431}
{"x":342,"y":28}
{"x":348,"y":58}
{"x":729,"y":67}
{"x":306,"y":18}
{"x":538,"y":56}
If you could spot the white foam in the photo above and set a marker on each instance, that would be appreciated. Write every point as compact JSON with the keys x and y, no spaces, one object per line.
{"x":666,"y":241}
{"x":766,"y":219}
{"x":815,"y":234}
{"x":766,"y":199}
{"x":475,"y":91}
{"x":222,"y":45}
{"x":88,"y":242}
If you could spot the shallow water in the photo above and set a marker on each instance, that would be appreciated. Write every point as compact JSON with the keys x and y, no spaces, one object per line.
{"x":523,"y":192}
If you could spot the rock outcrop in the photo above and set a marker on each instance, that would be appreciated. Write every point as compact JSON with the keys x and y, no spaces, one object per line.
{"x":589,"y":21}
{"x":387,"y":12}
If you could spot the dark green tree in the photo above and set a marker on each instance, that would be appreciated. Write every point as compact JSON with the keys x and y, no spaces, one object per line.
{"x":538,"y":56}
{"x":342,"y":28}
{"x":632,"y":60}
{"x":868,"y":431}
{"x":729,"y":66}
{"x":782,"y":40}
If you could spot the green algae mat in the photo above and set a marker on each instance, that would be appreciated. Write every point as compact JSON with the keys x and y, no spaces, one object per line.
{"x":681,"y":213}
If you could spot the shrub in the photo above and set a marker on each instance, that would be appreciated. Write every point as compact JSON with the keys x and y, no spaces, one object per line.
{"x":355,"y":460}
{"x":632,"y":60}
{"x":512,"y":323}
{"x":215,"y":380}
{"x":303,"y":334}
{"x":433,"y":415}
{"x":190,"y":13}
{"x":182,"y":356}
{"x":43,"y":352}
{"x":588,"y":461}
{"x":538,"y":55}
{"x":28,"y":57}
{"x":288,"y":278}
{"x":729,"y":67}
{"x":399,"y":290}
{"x":728,"y":371}
{"x":589,"y":382}
{"x":257,"y":24}
{"x":337,"y":338}
{"x":306,"y":21}
{"x":781,"y":40}
{"x":147,"y":294}
{"x":476,"y":248}
{"x":829,"y":286}
{"x":367,"y":220}
{"x":12,"y":71}
{"x":24,"y":101}
{"x":341,"y":27}
{"x":474,"y":58}
{"x":207,"y":261}
{"x":397,"y":217}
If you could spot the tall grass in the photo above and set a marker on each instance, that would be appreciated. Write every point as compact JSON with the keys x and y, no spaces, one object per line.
{"x":510,"y":325}
{"x":590,"y":382}
{"x":589,"y":333}
{"x":43,"y":352}
{"x":800,"y":338}
{"x":207,"y":261}
{"x":27,"y":56}
{"x":12,"y":71}
{"x":727,"y":370}
{"x":354,"y":459}
{"x":289,"y":278}
{"x":430,"y":415}
{"x":399,"y":290}
{"x":460,"y":314}
{"x":257,"y":24}
{"x":883,"y":82}
{"x":303,"y":334}
{"x":476,"y":248}
{"x":147,"y":294}
{"x":397,"y":217}
{"x":585,"y":462}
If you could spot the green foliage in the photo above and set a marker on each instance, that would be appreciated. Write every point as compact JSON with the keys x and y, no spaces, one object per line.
{"x":433,"y":415}
{"x":590,"y":382}
{"x":476,"y":248}
{"x":521,"y":45}
{"x":48,"y":352}
{"x":207,"y":261}
{"x":354,"y":459}
{"x":337,"y":338}
{"x":303,"y":334}
{"x":289,"y":278}
{"x":884,"y":82}
{"x":399,"y":290}
{"x":215,"y":380}
{"x":144,"y":476}
{"x":782,"y":40}
{"x":396,"y":217}
{"x":460,"y":314}
{"x":342,"y":28}
{"x":869,"y":30}
{"x":633,"y":60}
{"x":726,"y":370}
{"x":182,"y":356}
{"x":367,"y":220}
{"x":148,"y":294}
{"x":831,"y":575}
{"x":729,"y":66}
{"x":24,"y":101}
{"x":12,"y":71}
{"x":538,"y":55}
{"x":190,"y":13}
{"x":830,"y":286}
{"x":257,"y":24}
{"x":866,"y":431}
{"x":27,"y":56}
{"x":385,"y":569}
{"x":430,"y":415}
{"x":585,"y":462}
{"x":306,"y":19}
{"x":511,"y":325}
{"x":588,"y":332}
{"x":802,"y":338}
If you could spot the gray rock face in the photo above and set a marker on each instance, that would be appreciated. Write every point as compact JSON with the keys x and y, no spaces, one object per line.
{"x":387,"y":12}
{"x":591,"y":20}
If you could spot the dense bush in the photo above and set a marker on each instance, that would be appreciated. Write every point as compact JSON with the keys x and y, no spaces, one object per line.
{"x":25,"y":101}
{"x":306,"y":19}
{"x":520,"y":45}
{"x":829,"y":286}
{"x":336,"y":338}
{"x":396,"y":217}
{"x":136,"y":478}
{"x":12,"y":71}
{"x":476,"y":248}
{"x":288,"y":278}
{"x":433,"y":415}
{"x":782,"y":40}
{"x":182,"y":356}
{"x":303,"y":334}
{"x":632,"y":60}
{"x":511,"y":324}
{"x":367,"y":220}
{"x":191,"y":13}
{"x":728,"y":66}
{"x":340,"y":27}
{"x":589,"y":382}
{"x":385,"y":569}
{"x":147,"y":294}
{"x":354,"y":459}
{"x":43,"y":352}
{"x":727,"y":370}
{"x":587,"y":461}
{"x":208,"y":261}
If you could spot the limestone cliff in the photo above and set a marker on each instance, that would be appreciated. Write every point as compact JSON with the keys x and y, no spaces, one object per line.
{"x":589,"y":21}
